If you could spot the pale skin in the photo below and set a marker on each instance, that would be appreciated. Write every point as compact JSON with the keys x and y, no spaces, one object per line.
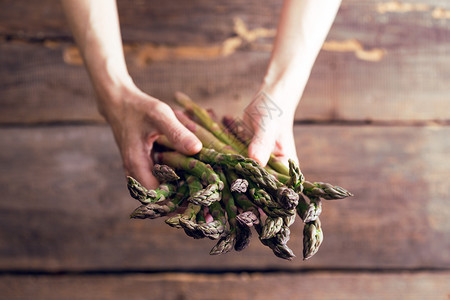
{"x":137,"y":118}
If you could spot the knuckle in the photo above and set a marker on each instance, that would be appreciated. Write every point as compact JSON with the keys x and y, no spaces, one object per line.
{"x":176,"y":135}
{"x":156,"y":110}
{"x":160,"y":108}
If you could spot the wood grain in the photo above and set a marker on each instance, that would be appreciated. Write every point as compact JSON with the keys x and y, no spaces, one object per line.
{"x":382,"y":61}
{"x":205,"y":22}
{"x":38,"y":86}
{"x":64,"y":204}
{"x":315,"y":286}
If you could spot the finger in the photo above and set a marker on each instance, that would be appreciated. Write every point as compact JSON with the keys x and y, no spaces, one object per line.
{"x":262,"y":144}
{"x":182,"y":139}
{"x":285,"y":149}
{"x":284,"y":159}
{"x":138,"y":164}
{"x":186,"y":121}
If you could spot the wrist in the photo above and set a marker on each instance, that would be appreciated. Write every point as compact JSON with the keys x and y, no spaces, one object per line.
{"x":284,"y":95}
{"x":108,"y":78}
{"x":269,"y":104}
{"x":287,"y":75}
{"x":112,"y":92}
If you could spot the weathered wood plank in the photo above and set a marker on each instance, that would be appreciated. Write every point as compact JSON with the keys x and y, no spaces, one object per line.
{"x":203,"y":22}
{"x":38,"y":86}
{"x":231,"y":286}
{"x":196,"y":22}
{"x":64,"y":204}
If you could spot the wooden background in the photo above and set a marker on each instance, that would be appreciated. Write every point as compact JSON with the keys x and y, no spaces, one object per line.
{"x":374,"y":118}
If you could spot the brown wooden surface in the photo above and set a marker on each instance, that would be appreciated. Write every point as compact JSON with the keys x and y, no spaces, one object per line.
{"x":315,"y":286}
{"x":374,"y":22}
{"x":38,"y":86}
{"x":406,"y":81}
{"x":64,"y":204}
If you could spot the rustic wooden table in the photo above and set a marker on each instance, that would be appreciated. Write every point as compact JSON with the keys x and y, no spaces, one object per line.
{"x":374,"y":118}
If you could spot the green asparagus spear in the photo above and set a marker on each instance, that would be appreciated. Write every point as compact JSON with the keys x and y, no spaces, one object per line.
{"x":164,"y":173}
{"x":226,"y":243}
{"x":191,"y":165}
{"x":244,"y":166}
{"x":282,"y":237}
{"x":306,"y":210}
{"x":312,"y":238}
{"x":174,"y":221}
{"x":199,"y":195}
{"x":197,"y":168}
{"x":208,"y":123}
{"x":281,"y":250}
{"x":289,"y":220}
{"x":208,"y":139}
{"x":239,"y":185}
{"x":264,"y":201}
{"x":260,"y":197}
{"x":201,"y":219}
{"x":271,"y":227}
{"x":139,"y":192}
{"x":248,"y":168}
{"x":325,"y":191}
{"x":190,"y":225}
{"x":316,"y":189}
{"x":287,"y":198}
{"x":215,"y":228}
{"x":206,"y":196}
{"x":243,"y":236}
{"x":194,"y":184}
{"x":247,"y":218}
{"x":155,"y":210}
{"x":296,"y":177}
{"x":189,"y":213}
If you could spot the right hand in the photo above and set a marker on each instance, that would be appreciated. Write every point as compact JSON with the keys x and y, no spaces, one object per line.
{"x":272,"y":128}
{"x":137,"y":119}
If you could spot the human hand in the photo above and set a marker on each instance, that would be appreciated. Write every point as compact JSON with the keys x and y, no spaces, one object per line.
{"x":302,"y":29}
{"x":272,"y":125}
{"x":137,"y":120}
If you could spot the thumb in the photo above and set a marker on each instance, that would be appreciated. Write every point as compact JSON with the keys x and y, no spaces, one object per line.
{"x":262,"y":145}
{"x":138,"y":164}
{"x":182,"y":139}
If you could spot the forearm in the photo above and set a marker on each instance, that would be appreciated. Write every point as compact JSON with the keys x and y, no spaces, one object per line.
{"x":95,"y":26}
{"x":302,"y":29}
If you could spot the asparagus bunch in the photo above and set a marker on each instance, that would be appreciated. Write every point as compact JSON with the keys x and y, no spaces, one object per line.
{"x":221,"y":194}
